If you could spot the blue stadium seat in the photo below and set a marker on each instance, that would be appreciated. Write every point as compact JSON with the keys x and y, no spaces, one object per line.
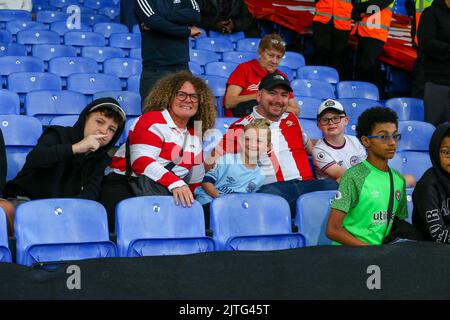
{"x":355,"y":106}
{"x":15,"y":26}
{"x":416,"y":135}
{"x":47,"y":104}
{"x":133,"y":83}
{"x":9,"y":102}
{"x":312,"y":215}
{"x":64,"y":121}
{"x":10,"y":64}
{"x":49,"y":51}
{"x":136,"y":29}
{"x":47,"y":17}
{"x":221,"y":69}
{"x":247,"y":44}
{"x":8,"y":15}
{"x":415,"y":163}
{"x":223,"y":124}
{"x":113,"y":13}
{"x":239,"y":56}
{"x":136,"y":53}
{"x":308,"y":107}
{"x":80,"y":39}
{"x":65,"y":66}
{"x":214,"y":136}
{"x":311,"y":129}
{"x":409,"y":203}
{"x":125,"y":41}
{"x":20,"y":132}
{"x":71,"y":9}
{"x":290,"y":74}
{"x":313,"y":88}
{"x":62,"y":27}
{"x":91,"y":83}
{"x":5,"y":253}
{"x":327,"y":74}
{"x":122,"y":68}
{"x":32,"y":37}
{"x":214,"y":44}
{"x":128,"y":123}
{"x":24,"y":82}
{"x":253,"y":221}
{"x":100,"y":54}
{"x":108,"y":28}
{"x":407,"y":108}
{"x":195,"y":68}
{"x":15,"y":161}
{"x":217,"y":84}
{"x":230,"y":36}
{"x":293,"y":60}
{"x":5,"y":36}
{"x":129,"y":101}
{"x":91,"y":18}
{"x":357,"y":89}
{"x":13,"y":49}
{"x":43,"y":7}
{"x":63,"y":3}
{"x":53,"y":230}
{"x":98,"y":4}
{"x":203,"y":57}
{"x":152,"y":226}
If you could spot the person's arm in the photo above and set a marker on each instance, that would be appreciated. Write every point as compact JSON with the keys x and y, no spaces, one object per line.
{"x":293,"y":107}
{"x":335,"y":230}
{"x":242,"y":20}
{"x":210,"y":189}
{"x":149,"y":16}
{"x":429,"y":44}
{"x":232,"y":97}
{"x":427,"y":205}
{"x":335,"y":171}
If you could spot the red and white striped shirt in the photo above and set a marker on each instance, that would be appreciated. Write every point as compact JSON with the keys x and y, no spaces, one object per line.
{"x":287,"y":160}
{"x":155,"y":141}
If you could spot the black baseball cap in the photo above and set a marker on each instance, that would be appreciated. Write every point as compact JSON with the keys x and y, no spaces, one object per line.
{"x":274,"y":79}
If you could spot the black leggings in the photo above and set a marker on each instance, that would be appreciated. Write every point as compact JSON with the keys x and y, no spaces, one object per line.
{"x":115,"y":188}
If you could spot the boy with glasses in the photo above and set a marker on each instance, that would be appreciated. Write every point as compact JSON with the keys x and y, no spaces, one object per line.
{"x":336,"y":152}
{"x":371,"y":194}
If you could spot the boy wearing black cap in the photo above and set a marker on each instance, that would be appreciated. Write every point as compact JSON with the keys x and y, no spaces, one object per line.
{"x":336,"y":152}
{"x":68,"y":162}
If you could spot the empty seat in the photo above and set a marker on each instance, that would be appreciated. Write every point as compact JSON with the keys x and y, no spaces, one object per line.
{"x":151,"y":226}
{"x":212,"y":137}
{"x":223,"y":124}
{"x":100,"y":54}
{"x":214,"y":44}
{"x":83,"y":38}
{"x":236,"y":36}
{"x":133,"y":83}
{"x":357,"y":89}
{"x":20,"y":132}
{"x":65,"y":66}
{"x":128,"y":100}
{"x":43,"y":7}
{"x":125,"y":41}
{"x":24,"y":82}
{"x":311,"y":129}
{"x":312,"y":88}
{"x":10,"y":64}
{"x":112,"y":13}
{"x":221,"y":69}
{"x":91,"y":19}
{"x":122,"y":68}
{"x":15,"y":161}
{"x":14,"y":26}
{"x":239,"y":56}
{"x":288,"y":72}
{"x":253,"y":221}
{"x":13,"y":49}
{"x":50,"y":51}
{"x":327,"y":74}
{"x":203,"y":57}
{"x":62,"y":27}
{"x":415,"y":163}
{"x":355,"y":106}
{"x":91,"y":83}
{"x":293,"y":60}
{"x":311,"y":216}
{"x":8,"y":15}
{"x":308,"y":107}
{"x":108,"y":28}
{"x":136,"y":53}
{"x":416,"y":135}
{"x":195,"y":68}
{"x":217,"y":84}
{"x":32,"y":37}
{"x":97,"y":4}
{"x":248,"y":44}
{"x":63,"y":3}
{"x":64,"y":121}
{"x":47,"y":104}
{"x":48,"y":17}
{"x":5,"y":253}
{"x":60,"y":230}
{"x":407,"y":108}
{"x":9,"y":102}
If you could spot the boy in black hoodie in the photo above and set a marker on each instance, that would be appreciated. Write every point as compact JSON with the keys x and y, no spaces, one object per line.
{"x":68,"y":162}
{"x":431,"y":196}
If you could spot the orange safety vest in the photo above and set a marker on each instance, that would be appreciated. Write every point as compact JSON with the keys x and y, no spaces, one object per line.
{"x":339,"y":10}
{"x":377,"y":31}
{"x":420,"y":6}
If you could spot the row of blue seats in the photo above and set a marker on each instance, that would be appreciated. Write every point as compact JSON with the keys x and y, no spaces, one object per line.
{"x":71,"y":229}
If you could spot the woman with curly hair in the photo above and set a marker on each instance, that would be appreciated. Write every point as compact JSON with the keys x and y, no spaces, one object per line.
{"x":163,"y":144}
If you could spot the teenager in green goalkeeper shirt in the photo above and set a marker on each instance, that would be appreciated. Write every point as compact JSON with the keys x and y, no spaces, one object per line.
{"x":359,"y":212}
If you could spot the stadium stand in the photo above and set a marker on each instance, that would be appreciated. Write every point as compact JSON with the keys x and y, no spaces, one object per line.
{"x":5,"y":253}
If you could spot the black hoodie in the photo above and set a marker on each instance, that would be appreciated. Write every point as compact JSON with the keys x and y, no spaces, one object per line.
{"x":434,"y":42}
{"x":53,"y":171}
{"x":431,"y":196}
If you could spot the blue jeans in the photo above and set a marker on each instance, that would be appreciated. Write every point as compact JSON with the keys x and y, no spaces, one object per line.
{"x":291,"y":190}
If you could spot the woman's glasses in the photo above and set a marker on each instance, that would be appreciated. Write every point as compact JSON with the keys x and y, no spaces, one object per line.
{"x":182,"y":96}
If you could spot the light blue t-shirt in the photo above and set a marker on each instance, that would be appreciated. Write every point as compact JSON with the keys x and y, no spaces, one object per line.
{"x":231,"y":176}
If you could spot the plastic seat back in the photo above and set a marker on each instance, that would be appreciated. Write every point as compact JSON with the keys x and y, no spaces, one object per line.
{"x":203,"y":57}
{"x":128,"y":100}
{"x":355,"y":106}
{"x":62,"y":27}
{"x":9,"y":102}
{"x":23,"y":82}
{"x":221,"y":69}
{"x":308,"y":107}
{"x":239,"y":56}
{"x":416,"y":135}
{"x":293,"y":60}
{"x":64,"y":121}
{"x":108,"y":28}
{"x":357,"y":89}
{"x":407,"y":108}
{"x":91,"y":83}
{"x":5,"y":253}
{"x":15,"y":161}
{"x":247,"y":44}
{"x":20,"y":132}
{"x":157,"y":226}
{"x":327,"y":74}
{"x":60,"y":230}
{"x":313,"y":88}
{"x":214,"y":44}
{"x":311,"y":129}
{"x":415,"y":163}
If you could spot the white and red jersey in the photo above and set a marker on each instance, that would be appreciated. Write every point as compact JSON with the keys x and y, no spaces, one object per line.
{"x":155,"y":141}
{"x":287,"y":160}
{"x":248,"y":75}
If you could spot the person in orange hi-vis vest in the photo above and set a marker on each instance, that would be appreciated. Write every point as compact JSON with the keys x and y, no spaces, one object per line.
{"x":373,"y":20}
{"x":331,"y":27}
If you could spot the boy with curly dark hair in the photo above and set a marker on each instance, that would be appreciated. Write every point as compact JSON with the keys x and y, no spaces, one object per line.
{"x":371,"y":193}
